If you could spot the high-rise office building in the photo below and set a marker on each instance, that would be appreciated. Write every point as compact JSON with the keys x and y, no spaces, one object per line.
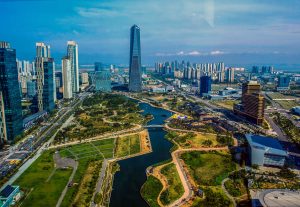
{"x":135,"y":79}
{"x":255,"y":69}
{"x":72,"y":53}
{"x":31,"y":88}
{"x":85,"y":78}
{"x":45,"y":68}
{"x":230,"y":75}
{"x":11,"y":94}
{"x":59,"y":84}
{"x":253,"y":103}
{"x":3,"y":135}
{"x":205,"y":85}
{"x":103,"y":81}
{"x":283,"y":83}
{"x":98,"y":66}
{"x":42,"y":50}
{"x":67,"y":78}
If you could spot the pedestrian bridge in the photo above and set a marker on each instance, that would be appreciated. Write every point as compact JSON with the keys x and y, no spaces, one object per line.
{"x":154,"y":126}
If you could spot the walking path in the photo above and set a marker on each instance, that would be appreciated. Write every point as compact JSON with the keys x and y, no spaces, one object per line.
{"x":187,"y":185}
{"x":186,"y":130}
{"x":103,"y":136}
{"x":188,"y":192}
{"x":157,"y":173}
{"x":100,"y":181}
{"x":226,"y":192}
{"x":62,"y":163}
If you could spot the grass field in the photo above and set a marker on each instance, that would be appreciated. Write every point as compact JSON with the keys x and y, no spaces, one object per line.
{"x":127,"y":145}
{"x":88,"y":155}
{"x":175,"y":189}
{"x":214,"y":197}
{"x":228,"y":104}
{"x":209,"y":168}
{"x":101,"y":148}
{"x":87,"y":185}
{"x":34,"y":181}
{"x":277,"y":95}
{"x":189,"y":140}
{"x":288,"y":104}
{"x":150,"y":191}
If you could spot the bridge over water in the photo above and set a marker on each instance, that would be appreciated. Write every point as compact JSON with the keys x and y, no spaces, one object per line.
{"x":154,"y":126}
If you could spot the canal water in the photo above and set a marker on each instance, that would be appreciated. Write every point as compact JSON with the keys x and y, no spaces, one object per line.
{"x":128,"y":181}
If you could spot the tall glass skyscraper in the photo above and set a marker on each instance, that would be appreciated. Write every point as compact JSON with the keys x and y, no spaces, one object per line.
{"x":10,"y":89}
{"x":205,"y":85}
{"x":45,"y":68}
{"x":98,"y":66}
{"x":135,"y":79}
{"x":103,"y":81}
{"x":72,"y":53}
{"x":67,"y":78}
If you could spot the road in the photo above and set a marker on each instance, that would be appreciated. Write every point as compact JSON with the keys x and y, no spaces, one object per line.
{"x":275,"y":198}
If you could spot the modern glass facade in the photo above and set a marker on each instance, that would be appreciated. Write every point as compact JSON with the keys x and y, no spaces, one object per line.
{"x":205,"y":85}
{"x":103,"y":81}
{"x":98,"y":66}
{"x":45,"y":83}
{"x":284,"y":82}
{"x":265,"y":151}
{"x":11,"y":92}
{"x":67,"y":78}
{"x":48,"y":87}
{"x":72,"y":53}
{"x":135,"y":79}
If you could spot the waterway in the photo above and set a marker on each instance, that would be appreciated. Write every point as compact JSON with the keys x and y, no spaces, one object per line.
{"x":128,"y":181}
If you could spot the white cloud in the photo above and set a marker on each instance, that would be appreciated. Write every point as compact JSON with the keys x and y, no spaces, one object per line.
{"x":96,"y":12}
{"x":180,"y":53}
{"x":217,"y":52}
{"x":195,"y":53}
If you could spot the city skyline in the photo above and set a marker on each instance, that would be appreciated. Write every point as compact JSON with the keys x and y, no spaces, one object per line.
{"x":248,"y":31}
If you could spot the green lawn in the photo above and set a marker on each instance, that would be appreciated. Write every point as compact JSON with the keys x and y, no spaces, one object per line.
{"x":214,"y":197}
{"x":71,"y":193}
{"x":209,"y":168}
{"x":150,"y":191}
{"x":33,"y":180}
{"x":96,"y":149}
{"x":87,"y":153}
{"x":288,"y":104}
{"x":127,"y":145}
{"x":236,"y":187}
{"x":175,"y":189}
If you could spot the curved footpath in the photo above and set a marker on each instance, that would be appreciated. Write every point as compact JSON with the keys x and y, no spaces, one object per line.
{"x":157,"y":173}
{"x":188,"y":191}
{"x":226,"y":192}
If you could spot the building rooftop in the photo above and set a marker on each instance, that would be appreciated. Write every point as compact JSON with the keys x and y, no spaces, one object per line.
{"x":269,"y":144}
{"x":5,"y":193}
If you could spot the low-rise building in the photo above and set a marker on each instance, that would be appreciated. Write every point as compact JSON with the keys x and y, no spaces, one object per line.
{"x":265,"y":151}
{"x":9,"y":195}
{"x":296,"y":110}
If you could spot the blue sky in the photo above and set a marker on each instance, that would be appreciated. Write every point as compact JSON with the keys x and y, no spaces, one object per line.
{"x":234,"y":31}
